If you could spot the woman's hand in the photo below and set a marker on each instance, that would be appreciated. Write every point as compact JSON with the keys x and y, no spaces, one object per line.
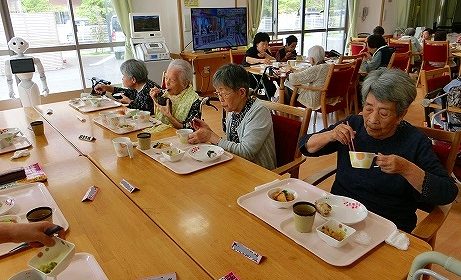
{"x":154,"y":92}
{"x":342,"y":133}
{"x":26,"y":232}
{"x":124,"y":99}
{"x":101,"y":88}
{"x":392,"y":164}
{"x":202,"y":133}
{"x":165,"y":110}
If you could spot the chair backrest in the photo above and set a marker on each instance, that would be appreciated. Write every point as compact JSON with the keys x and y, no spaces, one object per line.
{"x":290,"y":124}
{"x":435,"y":79}
{"x":338,"y":86}
{"x":357,"y":47}
{"x":352,"y":94}
{"x":359,"y":39}
{"x":400,"y":61}
{"x":275,"y":46}
{"x":434,"y":51}
{"x":388,"y":37}
{"x":428,"y":227}
{"x":236,"y":58}
{"x":400,"y":46}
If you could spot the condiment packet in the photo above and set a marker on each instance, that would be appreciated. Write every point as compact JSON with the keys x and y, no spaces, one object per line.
{"x":20,"y":153}
{"x":168,"y":276}
{"x":229,"y":276}
{"x":90,"y":194}
{"x":362,"y":237}
{"x":399,"y":240}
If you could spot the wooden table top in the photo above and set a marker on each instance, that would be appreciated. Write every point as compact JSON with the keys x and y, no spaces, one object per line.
{"x":124,"y":241}
{"x":200,"y":213}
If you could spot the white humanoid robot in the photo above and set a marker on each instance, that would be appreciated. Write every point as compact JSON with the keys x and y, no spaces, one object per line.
{"x":24,"y":67}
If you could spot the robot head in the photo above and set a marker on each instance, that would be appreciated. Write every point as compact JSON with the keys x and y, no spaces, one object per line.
{"x":18,"y":45}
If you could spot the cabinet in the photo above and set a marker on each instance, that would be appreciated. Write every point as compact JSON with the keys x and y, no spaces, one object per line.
{"x":205,"y":65}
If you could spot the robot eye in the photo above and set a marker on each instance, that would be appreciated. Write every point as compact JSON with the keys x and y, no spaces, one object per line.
{"x":22,"y":43}
{"x":14,"y":43}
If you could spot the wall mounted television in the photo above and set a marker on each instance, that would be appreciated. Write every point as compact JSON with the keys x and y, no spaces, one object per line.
{"x":218,"y":28}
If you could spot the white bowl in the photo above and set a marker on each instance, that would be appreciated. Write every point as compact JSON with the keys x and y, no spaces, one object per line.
{"x":335,"y":228}
{"x":61,"y":252}
{"x":30,"y":274}
{"x":183,"y":134}
{"x":10,"y":219}
{"x":173,"y":154}
{"x":6,"y":203}
{"x":205,"y":152}
{"x":7,"y":136}
{"x":281,"y":204}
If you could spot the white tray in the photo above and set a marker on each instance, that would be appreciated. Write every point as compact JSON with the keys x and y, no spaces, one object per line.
{"x":138,"y":126}
{"x":258,"y":204}
{"x":83,"y":266}
{"x":19,"y":142}
{"x":105,"y":104}
{"x":27,"y":197}
{"x":187,"y":164}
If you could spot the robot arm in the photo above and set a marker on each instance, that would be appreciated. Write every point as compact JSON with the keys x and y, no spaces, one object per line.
{"x":41,"y":71}
{"x":9,"y":78}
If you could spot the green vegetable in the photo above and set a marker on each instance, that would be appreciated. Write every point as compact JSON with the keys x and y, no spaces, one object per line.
{"x":47,"y":268}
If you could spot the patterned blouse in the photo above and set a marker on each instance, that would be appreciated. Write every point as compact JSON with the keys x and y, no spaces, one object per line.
{"x":236,"y":119}
{"x":140,"y":100}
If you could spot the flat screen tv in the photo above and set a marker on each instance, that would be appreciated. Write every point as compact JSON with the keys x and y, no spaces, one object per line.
{"x":218,"y":28}
{"x":145,"y":25}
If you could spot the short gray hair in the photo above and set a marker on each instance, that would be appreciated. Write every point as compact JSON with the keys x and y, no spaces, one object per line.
{"x":232,"y":76}
{"x":391,"y":85}
{"x":186,"y":74}
{"x":410,"y":31}
{"x":317,"y":53}
{"x":136,"y":69}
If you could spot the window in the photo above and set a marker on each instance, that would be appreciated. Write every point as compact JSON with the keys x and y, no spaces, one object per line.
{"x":50,"y":29}
{"x":313,"y":22}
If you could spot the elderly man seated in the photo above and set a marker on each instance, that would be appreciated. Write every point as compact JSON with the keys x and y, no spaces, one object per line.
{"x":407,"y":171}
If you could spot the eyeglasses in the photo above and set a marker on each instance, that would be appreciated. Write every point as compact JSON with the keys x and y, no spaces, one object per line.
{"x":222,"y":94}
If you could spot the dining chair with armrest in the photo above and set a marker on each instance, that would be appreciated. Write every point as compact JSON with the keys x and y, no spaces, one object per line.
{"x":427,"y":228}
{"x":341,"y":74}
{"x":400,"y":61}
{"x":400,"y":46}
{"x":354,"y":86}
{"x":236,"y":58}
{"x":433,"y":81}
{"x":357,"y":47}
{"x":435,"y":55}
{"x":290,"y":124}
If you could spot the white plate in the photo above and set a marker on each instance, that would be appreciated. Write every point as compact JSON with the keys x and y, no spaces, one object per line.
{"x":135,"y":125}
{"x":205,"y":152}
{"x":83,"y":107}
{"x":344,"y":209}
{"x":27,"y":197}
{"x":6,"y":203}
{"x":13,"y":131}
{"x":19,"y":142}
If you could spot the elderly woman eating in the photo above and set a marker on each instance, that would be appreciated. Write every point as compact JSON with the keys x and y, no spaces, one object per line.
{"x":248,"y":124}
{"x":136,"y":86}
{"x":181,"y":103}
{"x":407,"y":171}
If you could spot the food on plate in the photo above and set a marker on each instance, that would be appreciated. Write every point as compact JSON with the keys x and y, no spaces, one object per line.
{"x":3,"y":130}
{"x":323,"y":208}
{"x":8,"y":220}
{"x":283,"y":196}
{"x":160,"y":145}
{"x":47,"y":268}
{"x":336,"y":234}
{"x":172,"y":152}
{"x":211,"y":154}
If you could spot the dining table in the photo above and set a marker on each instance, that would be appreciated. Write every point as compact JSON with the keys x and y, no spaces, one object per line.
{"x":200,"y":213}
{"x":125,"y":242}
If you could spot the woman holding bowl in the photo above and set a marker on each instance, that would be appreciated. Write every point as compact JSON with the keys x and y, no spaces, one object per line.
{"x":407,"y":172}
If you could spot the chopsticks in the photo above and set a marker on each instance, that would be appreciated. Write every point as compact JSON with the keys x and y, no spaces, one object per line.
{"x":351,"y":144}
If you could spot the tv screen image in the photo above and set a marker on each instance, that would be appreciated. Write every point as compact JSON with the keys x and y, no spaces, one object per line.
{"x":218,"y":27}
{"x":146,"y":23}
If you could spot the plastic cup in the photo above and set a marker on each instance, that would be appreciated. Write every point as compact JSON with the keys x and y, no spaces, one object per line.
{"x":183,"y":135}
{"x":43,"y":213}
{"x":144,"y":140}
{"x":37,"y":128}
{"x":304,"y":215}
{"x":123,"y":146}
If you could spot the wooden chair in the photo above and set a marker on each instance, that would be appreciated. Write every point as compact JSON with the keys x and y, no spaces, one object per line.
{"x":236,"y":58}
{"x":432,"y":81}
{"x":275,"y":46}
{"x":356,"y":47}
{"x":435,"y":52}
{"x":400,"y":61}
{"x":388,"y":37}
{"x":427,"y":228}
{"x":353,"y":88}
{"x":336,"y":84}
{"x":290,"y":124}
{"x":400,"y":46}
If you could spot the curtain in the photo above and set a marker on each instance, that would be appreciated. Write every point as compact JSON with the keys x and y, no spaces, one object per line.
{"x":122,"y":9}
{"x":448,"y":12}
{"x":352,"y":10}
{"x":255,"y":8}
{"x":423,"y":12}
{"x":403,"y":8}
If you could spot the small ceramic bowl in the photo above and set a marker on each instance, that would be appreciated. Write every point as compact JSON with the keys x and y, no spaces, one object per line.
{"x":43,"y":213}
{"x":278,"y":194}
{"x":173,"y":154}
{"x":334,"y":233}
{"x":50,"y":261}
